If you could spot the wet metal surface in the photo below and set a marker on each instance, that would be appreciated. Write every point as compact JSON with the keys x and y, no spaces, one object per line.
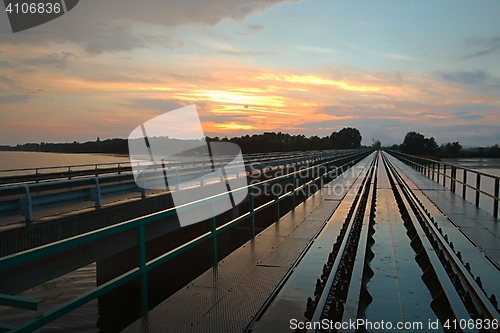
{"x":227,"y":296}
{"x":291,"y":300}
{"x":479,"y":226}
{"x":399,"y":294}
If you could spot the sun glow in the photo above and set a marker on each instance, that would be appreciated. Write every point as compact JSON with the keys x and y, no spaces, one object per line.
{"x":229,"y":97}
{"x":316,"y":80}
{"x":233,"y":126}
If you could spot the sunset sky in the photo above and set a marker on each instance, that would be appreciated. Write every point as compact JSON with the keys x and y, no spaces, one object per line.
{"x":302,"y":67}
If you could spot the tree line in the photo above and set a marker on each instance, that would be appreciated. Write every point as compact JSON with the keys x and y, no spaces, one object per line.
{"x":417,"y":144}
{"x":347,"y":138}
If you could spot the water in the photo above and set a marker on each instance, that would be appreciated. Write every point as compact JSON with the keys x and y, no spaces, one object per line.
{"x":64,"y":288}
{"x":21,"y":160}
{"x":476,"y":163}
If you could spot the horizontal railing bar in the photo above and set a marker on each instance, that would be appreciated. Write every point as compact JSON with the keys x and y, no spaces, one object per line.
{"x":27,"y":208}
{"x":458,"y":180}
{"x":268,"y":156}
{"x":450,"y":164}
{"x":75,"y":303}
{"x":188,"y":167}
{"x":19,"y":302}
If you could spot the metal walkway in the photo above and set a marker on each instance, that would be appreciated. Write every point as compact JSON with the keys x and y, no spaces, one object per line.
{"x":226,"y":297}
{"x":477,"y":224}
{"x":397,"y":259}
{"x":389,"y":225}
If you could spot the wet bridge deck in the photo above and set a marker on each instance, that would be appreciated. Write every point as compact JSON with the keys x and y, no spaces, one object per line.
{"x":266,"y":283}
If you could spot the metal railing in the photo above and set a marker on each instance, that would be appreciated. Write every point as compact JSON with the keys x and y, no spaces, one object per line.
{"x":326,"y":170}
{"x":438,"y":171}
{"x":93,"y":188}
{"x":26,"y":175}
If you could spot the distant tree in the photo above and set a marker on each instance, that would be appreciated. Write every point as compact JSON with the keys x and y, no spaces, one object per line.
{"x":431,"y":146}
{"x":450,"y":149}
{"x":493,"y":151}
{"x":414,"y":143}
{"x":347,"y":138}
{"x":417,"y":144}
{"x":395,"y":147}
{"x":377,"y":144}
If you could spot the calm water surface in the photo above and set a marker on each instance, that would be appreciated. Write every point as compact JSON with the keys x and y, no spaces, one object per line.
{"x":64,"y":288}
{"x":20,"y":160}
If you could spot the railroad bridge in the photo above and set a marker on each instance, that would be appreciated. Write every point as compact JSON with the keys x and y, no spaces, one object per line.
{"x":391,"y":239}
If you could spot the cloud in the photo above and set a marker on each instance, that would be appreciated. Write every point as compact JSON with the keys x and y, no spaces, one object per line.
{"x":396,"y":56}
{"x":162,"y":105}
{"x":474,"y":77}
{"x":227,"y":49}
{"x":253,"y":53}
{"x":487,"y":45}
{"x":4,"y":98}
{"x":250,"y":29}
{"x":114,"y":25}
{"x":478,"y":80}
{"x":315,"y":49}
{"x":58,"y":60}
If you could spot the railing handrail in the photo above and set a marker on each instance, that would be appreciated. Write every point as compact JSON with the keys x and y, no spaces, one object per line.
{"x":447,"y":163}
{"x":453,"y":168}
{"x":125,"y":162}
{"x":26,"y":204}
{"x":86,"y":179}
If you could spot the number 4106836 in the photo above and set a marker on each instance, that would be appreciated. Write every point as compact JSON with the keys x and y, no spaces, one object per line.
{"x":33,"y":8}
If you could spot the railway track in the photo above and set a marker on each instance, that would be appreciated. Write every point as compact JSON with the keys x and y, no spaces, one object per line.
{"x":394,"y":267}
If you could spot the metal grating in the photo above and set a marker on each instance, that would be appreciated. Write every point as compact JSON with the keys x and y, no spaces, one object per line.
{"x":226,"y":297}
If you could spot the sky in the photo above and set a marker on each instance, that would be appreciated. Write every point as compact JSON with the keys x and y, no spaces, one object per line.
{"x":301,"y":67}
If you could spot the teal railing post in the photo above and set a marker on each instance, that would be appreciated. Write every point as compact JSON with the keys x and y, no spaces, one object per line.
{"x":453,"y":178}
{"x":495,"y":201}
{"x":433,"y":170}
{"x":438,"y":172}
{"x":304,"y":181}
{"x":464,"y":187}
{"x":277,"y":203}
{"x":444,"y":175}
{"x":214,"y":235}
{"x":478,"y":187}
{"x":294,"y":190}
{"x":252,"y":210}
{"x":142,"y":267}
{"x":321,"y":181}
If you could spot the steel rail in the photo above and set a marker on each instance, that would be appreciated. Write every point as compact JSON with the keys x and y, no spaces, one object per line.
{"x":320,"y":309}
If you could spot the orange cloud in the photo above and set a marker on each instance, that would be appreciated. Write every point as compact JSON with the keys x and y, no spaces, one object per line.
{"x":316,"y":80}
